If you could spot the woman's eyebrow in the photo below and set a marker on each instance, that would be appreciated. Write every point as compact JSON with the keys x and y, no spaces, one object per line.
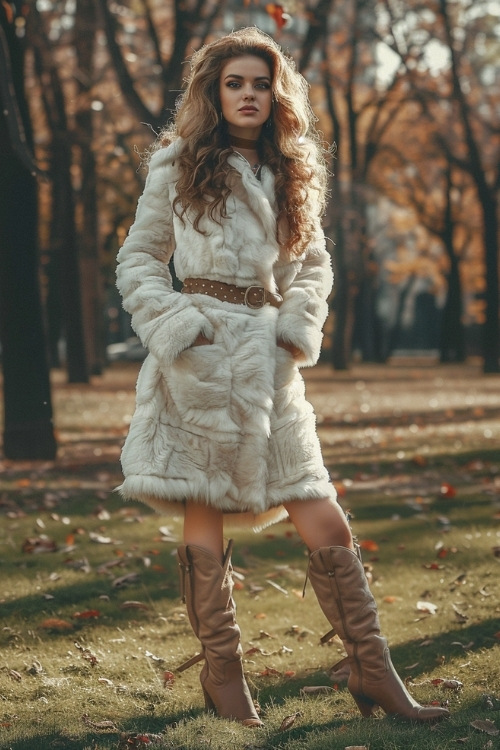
{"x":241,"y":78}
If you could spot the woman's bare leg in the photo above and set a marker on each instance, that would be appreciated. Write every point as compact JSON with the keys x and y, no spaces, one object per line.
{"x":320,"y":523}
{"x":203,"y":527}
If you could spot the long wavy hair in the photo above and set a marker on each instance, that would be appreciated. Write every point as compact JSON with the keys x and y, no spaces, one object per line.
{"x":289,"y":143}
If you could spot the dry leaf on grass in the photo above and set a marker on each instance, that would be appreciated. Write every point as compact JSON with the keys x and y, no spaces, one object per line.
{"x":452,"y":685}
{"x":87,"y":615}
{"x":270,"y":672}
{"x":289,"y":721}
{"x":55,"y":623}
{"x":87,"y":654}
{"x":447,"y":490}
{"x":98,"y":724}
{"x":134,"y":605}
{"x":277,"y":587}
{"x":461,"y":617}
{"x":369,"y":545}
{"x":153,"y":657}
{"x":485,"y":725}
{"x":100,"y":539}
{"x":35,"y":545}
{"x":132,"y":741}
{"x":168,"y":679}
{"x":427,"y":607}
{"x":125,"y":580}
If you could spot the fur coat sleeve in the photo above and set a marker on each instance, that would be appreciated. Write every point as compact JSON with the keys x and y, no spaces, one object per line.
{"x":165,"y":321}
{"x":305,"y":307}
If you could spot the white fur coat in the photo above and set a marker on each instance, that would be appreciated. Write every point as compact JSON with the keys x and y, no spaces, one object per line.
{"x":225,"y":424}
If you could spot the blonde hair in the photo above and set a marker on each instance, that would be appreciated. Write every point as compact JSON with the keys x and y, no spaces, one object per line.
{"x":289,"y":143}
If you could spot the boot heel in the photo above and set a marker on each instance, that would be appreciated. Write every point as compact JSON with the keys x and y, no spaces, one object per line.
{"x":209,"y":704}
{"x":366,"y":705}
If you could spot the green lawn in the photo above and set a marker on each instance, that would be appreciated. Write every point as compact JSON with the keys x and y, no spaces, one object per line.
{"x":92,"y":625}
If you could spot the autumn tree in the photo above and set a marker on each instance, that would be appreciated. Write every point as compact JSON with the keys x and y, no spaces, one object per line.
{"x":459,"y":42}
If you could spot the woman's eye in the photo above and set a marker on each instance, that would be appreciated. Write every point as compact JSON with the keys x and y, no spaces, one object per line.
{"x":233,"y":85}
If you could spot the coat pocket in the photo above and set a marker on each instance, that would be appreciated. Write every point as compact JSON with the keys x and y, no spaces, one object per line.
{"x":199,"y":383}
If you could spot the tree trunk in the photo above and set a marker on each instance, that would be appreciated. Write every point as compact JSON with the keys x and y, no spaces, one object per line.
{"x":92,"y":296}
{"x":28,"y":428}
{"x":64,"y":284}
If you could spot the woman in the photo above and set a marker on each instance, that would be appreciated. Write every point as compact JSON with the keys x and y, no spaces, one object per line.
{"x":236,"y":187}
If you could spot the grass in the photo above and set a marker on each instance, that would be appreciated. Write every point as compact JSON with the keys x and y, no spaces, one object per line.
{"x":90,"y":629}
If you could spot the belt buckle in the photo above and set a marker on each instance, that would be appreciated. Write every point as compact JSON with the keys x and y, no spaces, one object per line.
{"x":260,"y":302}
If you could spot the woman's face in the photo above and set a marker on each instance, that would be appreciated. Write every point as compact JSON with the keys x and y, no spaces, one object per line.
{"x":245,"y":95}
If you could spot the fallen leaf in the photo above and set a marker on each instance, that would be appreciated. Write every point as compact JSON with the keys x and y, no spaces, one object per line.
{"x":35,"y":545}
{"x":277,"y":587}
{"x":461,"y":617}
{"x":452,"y":684}
{"x":289,"y":721}
{"x":270,"y":672}
{"x":87,"y":654}
{"x":134,"y":605}
{"x":54,"y":623}
{"x":369,"y":545}
{"x":14,"y":675}
{"x":87,"y":615}
{"x":447,"y":490}
{"x":125,"y":580}
{"x":315,"y":689}
{"x":132,"y":741}
{"x":102,"y":514}
{"x":99,"y":538}
{"x":485,"y":725}
{"x":98,"y":724}
{"x":465,"y":646}
{"x":168,"y":679}
{"x":82,"y":564}
{"x":153,"y":657}
{"x":427,"y":607}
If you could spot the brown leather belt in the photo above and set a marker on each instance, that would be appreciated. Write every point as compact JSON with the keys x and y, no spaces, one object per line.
{"x":254,"y":296}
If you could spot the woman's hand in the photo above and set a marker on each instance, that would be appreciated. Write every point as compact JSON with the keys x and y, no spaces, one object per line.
{"x":291,"y":349}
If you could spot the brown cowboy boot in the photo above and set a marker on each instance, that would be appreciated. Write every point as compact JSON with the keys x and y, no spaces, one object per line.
{"x":339,"y":581}
{"x":207,"y":590}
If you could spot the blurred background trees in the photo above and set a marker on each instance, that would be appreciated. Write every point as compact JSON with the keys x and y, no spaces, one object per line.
{"x":408,"y":92}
